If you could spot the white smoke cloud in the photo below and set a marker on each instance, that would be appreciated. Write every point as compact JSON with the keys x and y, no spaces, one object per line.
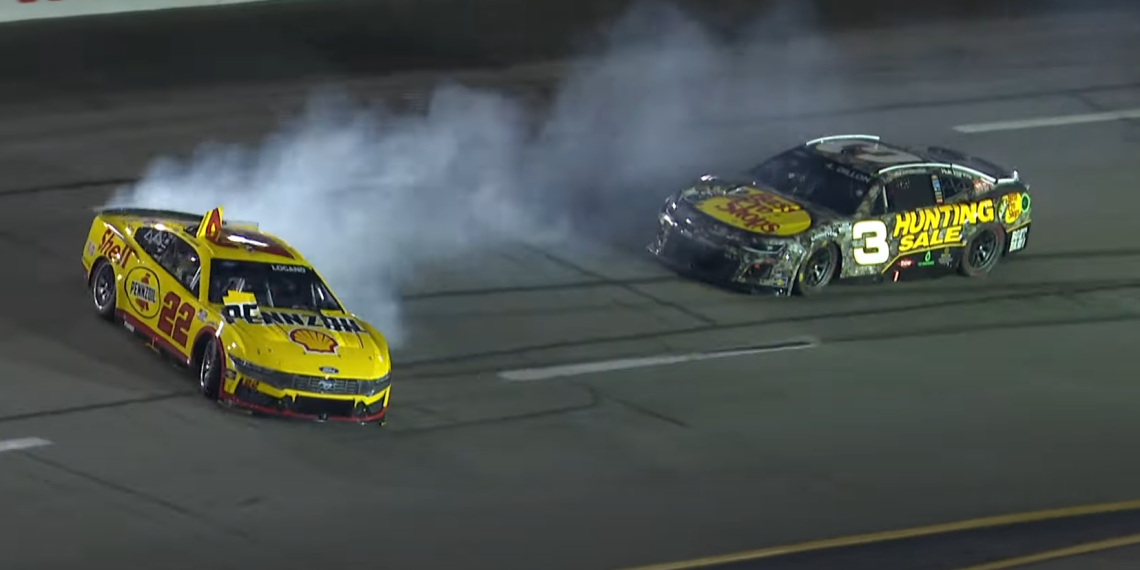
{"x":368,"y":196}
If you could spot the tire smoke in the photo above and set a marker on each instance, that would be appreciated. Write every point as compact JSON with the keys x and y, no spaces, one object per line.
{"x":369,"y":196}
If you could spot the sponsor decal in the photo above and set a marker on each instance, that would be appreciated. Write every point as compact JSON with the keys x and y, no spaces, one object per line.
{"x":946,"y":259}
{"x":243,"y":307}
{"x":246,"y":313}
{"x":113,"y":246}
{"x":926,"y":261}
{"x":1017,"y":239}
{"x":90,"y":248}
{"x":313,"y":341}
{"x":758,"y":211}
{"x":1012,"y":207}
{"x":932,"y":227}
{"x":143,"y":291}
{"x":329,"y":370}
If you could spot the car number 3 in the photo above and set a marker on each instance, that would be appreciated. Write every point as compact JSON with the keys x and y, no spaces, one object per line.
{"x":875,"y":248}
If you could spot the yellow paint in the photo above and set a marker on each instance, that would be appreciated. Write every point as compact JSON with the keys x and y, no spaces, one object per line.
{"x":758,"y":211}
{"x":281,"y":339}
{"x":971,"y":524}
{"x":1010,"y":208}
{"x":931,"y":239}
{"x":1086,"y":548}
{"x":929,"y":228}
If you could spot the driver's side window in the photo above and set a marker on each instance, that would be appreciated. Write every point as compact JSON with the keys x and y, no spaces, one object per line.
{"x":182,"y":262}
{"x":910,"y":192}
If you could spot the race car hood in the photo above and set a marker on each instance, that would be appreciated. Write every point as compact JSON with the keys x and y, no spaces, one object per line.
{"x":751,"y":208}
{"x":310,"y":343}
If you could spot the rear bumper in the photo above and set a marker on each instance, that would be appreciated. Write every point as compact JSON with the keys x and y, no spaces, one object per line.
{"x":305,"y":406}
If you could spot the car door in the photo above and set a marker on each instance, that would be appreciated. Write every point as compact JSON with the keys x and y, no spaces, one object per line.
{"x":174,"y":295}
{"x":904,"y":222}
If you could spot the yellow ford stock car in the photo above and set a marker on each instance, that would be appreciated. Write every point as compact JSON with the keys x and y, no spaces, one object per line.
{"x":242,"y":308}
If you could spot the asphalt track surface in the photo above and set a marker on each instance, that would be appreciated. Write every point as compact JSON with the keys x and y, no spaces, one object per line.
{"x":920,"y":403}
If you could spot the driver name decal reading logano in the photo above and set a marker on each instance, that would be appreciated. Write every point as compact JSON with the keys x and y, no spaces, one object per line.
{"x":917,"y":230}
{"x":757,"y":211}
{"x":290,"y":268}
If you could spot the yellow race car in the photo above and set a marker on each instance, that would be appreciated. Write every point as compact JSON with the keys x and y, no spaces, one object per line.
{"x":263,"y":330}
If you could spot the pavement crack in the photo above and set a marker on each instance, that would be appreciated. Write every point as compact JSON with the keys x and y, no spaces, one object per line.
{"x":94,"y":407}
{"x":80,"y":185}
{"x":144,"y":497}
{"x":640,"y":409}
{"x":594,"y":402}
{"x":703,"y":319}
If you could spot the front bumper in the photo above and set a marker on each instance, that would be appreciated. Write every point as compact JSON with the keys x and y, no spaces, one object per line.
{"x":682,"y":247}
{"x":247,"y":393}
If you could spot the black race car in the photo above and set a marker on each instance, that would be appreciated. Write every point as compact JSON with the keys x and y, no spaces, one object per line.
{"x":846,"y":207}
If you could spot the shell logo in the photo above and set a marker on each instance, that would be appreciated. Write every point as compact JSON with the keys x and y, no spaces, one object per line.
{"x":314,"y":341}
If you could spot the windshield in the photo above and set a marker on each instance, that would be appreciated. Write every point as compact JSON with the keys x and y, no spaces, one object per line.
{"x":275,"y":285}
{"x":810,"y":177}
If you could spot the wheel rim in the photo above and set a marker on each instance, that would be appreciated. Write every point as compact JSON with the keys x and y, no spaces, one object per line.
{"x":209,"y":364}
{"x":819,"y":267}
{"x":983,"y":250}
{"x":103,"y":290}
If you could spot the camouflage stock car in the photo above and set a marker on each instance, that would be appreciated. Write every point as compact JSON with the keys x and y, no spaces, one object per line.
{"x":241,"y":308}
{"x":848,"y":207}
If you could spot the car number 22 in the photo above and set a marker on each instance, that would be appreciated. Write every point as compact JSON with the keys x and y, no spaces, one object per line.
{"x":175,"y":318}
{"x":875,"y":248}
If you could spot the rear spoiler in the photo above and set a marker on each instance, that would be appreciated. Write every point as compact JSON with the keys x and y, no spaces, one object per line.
{"x":178,"y":215}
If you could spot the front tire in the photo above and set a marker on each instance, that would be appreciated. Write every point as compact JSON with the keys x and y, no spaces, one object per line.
{"x":983,"y":251}
{"x":818,"y":271}
{"x":103,"y":289}
{"x":210,"y":370}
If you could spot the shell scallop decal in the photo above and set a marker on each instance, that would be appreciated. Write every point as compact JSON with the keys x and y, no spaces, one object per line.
{"x":314,"y":341}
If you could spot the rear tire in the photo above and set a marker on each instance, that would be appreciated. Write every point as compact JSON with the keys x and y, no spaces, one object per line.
{"x":982,"y":252}
{"x":817,"y":271}
{"x":103,"y":289}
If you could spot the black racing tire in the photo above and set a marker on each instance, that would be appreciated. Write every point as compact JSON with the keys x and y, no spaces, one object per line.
{"x":817,"y":271}
{"x":103,"y":287}
{"x":210,"y":370}
{"x":982,"y":252}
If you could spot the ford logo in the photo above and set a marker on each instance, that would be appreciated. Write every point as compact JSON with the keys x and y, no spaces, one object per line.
{"x":329,"y":370}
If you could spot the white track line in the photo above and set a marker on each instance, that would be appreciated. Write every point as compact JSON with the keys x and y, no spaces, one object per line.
{"x":1058,"y":121}
{"x":561,"y":371}
{"x":23,"y":443}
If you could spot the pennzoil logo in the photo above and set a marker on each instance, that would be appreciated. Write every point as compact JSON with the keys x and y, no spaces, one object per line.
{"x":313,"y":341}
{"x":939,"y":225}
{"x":250,"y":313}
{"x":142,"y":291}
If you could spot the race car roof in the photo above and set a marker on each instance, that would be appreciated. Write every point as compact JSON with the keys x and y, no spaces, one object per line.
{"x":889,"y":155}
{"x":235,"y":240}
